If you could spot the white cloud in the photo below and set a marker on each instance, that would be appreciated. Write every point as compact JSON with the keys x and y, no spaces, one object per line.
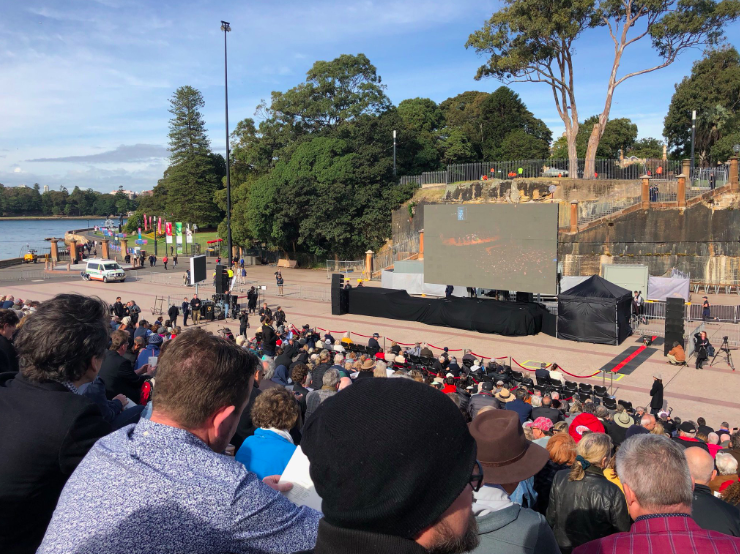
{"x":17,"y":170}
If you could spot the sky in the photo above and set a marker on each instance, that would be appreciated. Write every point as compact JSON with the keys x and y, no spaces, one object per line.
{"x":86,"y":83}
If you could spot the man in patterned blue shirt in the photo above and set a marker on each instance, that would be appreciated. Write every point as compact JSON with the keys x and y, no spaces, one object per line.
{"x":163,"y":486}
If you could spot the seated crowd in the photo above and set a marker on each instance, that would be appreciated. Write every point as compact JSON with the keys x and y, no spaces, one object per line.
{"x":121,"y":436}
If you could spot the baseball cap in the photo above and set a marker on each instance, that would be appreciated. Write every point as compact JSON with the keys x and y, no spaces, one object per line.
{"x":376,"y":335}
{"x":687,"y":427}
{"x":487,"y":385}
{"x":542,"y":423}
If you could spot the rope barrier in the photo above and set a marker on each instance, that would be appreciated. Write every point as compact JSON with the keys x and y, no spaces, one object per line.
{"x":448,"y":350}
{"x":560,"y":369}
{"x":361,"y":335}
{"x":328,"y":331}
{"x":402,"y":343}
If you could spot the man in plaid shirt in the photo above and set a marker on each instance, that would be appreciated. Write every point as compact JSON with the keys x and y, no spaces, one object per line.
{"x":658,"y":488}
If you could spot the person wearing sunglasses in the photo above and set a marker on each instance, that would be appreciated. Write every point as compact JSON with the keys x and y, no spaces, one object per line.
{"x":506,"y":458}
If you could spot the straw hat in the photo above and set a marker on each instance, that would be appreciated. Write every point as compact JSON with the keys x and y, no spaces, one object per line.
{"x":504,"y":395}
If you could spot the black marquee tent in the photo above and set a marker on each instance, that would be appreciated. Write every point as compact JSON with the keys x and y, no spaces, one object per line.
{"x":595,"y":311}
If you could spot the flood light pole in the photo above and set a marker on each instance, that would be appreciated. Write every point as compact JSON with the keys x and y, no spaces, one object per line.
{"x":225,"y":27}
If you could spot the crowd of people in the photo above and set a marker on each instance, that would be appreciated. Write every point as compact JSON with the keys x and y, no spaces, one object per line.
{"x":123,"y":436}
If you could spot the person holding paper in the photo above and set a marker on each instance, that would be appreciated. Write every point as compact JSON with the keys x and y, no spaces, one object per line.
{"x":197,"y":500}
{"x":268,"y":451}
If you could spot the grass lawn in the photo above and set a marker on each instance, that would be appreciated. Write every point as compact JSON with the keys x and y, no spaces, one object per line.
{"x":198,"y":238}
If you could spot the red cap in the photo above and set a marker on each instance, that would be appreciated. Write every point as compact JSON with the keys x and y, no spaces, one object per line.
{"x":584,"y":422}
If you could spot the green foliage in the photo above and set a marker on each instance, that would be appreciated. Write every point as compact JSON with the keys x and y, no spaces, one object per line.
{"x":723,"y":149}
{"x":518,"y":145}
{"x":713,"y":90}
{"x":502,"y":113}
{"x":186,"y":191}
{"x":647,"y":148}
{"x":463,"y":114}
{"x":22,"y":201}
{"x":619,"y":134}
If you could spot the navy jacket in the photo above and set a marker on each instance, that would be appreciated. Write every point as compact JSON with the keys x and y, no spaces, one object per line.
{"x":520,"y":407}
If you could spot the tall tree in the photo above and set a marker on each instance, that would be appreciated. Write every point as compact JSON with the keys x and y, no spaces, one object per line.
{"x":533,"y":41}
{"x":463,"y":114}
{"x":713,"y":90}
{"x":647,"y":148}
{"x":422,"y":120}
{"x":619,"y":134}
{"x":194,"y":174}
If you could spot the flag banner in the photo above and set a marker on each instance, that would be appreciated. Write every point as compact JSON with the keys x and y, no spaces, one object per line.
{"x":145,"y":220}
{"x":178,"y":237}
{"x":189,"y":235}
{"x":159,"y":225}
{"x":168,"y":232}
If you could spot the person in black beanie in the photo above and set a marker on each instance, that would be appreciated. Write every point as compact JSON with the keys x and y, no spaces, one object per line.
{"x":386,"y":495}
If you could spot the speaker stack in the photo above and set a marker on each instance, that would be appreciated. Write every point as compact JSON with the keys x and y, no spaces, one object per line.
{"x":674,"y":321}
{"x":222,"y":279}
{"x":208,"y":311}
{"x":524,"y":296}
{"x":337,"y":291}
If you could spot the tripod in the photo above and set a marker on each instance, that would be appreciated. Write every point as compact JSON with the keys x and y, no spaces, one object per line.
{"x":726,"y":349}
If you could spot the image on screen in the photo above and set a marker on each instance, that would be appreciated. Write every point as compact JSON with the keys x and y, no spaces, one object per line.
{"x":503,"y":247}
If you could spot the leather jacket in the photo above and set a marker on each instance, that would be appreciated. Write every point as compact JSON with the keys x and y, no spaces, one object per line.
{"x":585,"y":510}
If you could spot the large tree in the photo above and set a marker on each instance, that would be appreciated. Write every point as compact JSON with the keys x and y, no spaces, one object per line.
{"x":619,"y":134}
{"x":186,"y":191}
{"x":533,"y":41}
{"x":713,"y":90}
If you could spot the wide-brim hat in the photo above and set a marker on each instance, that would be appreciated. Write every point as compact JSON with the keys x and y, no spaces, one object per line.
{"x":505,"y":395}
{"x":624,"y":420}
{"x":399,"y":360}
{"x":503,"y":451}
{"x":368,"y":364}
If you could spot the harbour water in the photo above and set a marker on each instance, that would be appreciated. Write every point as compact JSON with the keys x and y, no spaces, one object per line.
{"x":17,"y":235}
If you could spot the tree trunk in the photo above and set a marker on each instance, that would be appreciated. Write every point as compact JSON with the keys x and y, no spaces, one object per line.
{"x":589,"y":167}
{"x":571,"y":135}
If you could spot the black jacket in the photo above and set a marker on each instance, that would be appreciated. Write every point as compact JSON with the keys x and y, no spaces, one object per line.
{"x":45,"y":431}
{"x":618,"y":434}
{"x":656,"y":403}
{"x":269,"y":338}
{"x":543,"y":484}
{"x":172,"y":313}
{"x":335,"y":540}
{"x":373,"y":346}
{"x":119,"y":377}
{"x":478,"y":401}
{"x":119,"y":310}
{"x":550,"y":413}
{"x":317,"y":376}
{"x":8,"y":356}
{"x":585,"y":510}
{"x":713,"y":514}
{"x":688,"y":443}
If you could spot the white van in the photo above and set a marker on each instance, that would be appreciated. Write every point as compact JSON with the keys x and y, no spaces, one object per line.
{"x":103,"y":270}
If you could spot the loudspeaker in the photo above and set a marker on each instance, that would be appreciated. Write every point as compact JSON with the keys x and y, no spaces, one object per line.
{"x":524,"y":296}
{"x":220,"y":279}
{"x":337,"y":290}
{"x":674,"y":324}
{"x":207,"y":311}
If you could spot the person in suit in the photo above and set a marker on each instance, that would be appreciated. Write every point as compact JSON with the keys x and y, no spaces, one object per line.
{"x":8,"y":355}
{"x":118,"y":373}
{"x":46,"y":426}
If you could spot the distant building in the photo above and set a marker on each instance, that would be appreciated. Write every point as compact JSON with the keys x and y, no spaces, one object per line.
{"x":146,"y":193}
{"x":131,"y":194}
{"x":46,"y":188}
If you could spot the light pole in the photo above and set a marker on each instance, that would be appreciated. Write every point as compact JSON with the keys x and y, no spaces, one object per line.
{"x":693,"y":135}
{"x":394,"y":152}
{"x":225,"y":27}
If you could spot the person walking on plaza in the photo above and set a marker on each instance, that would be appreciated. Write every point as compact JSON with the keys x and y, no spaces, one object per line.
{"x":243,"y":323}
{"x":279,"y":282}
{"x":252,"y":300}
{"x":164,"y":261}
{"x":706,"y":309}
{"x":656,"y":402}
{"x":172,"y":314}
{"x":174,"y":261}
{"x":195,"y":309}
{"x":185,"y":310}
{"x":658,"y":488}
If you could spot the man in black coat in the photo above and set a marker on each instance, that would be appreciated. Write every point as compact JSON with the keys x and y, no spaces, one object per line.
{"x":8,"y":355}
{"x":46,"y":428}
{"x":373,"y":346}
{"x":118,"y":373}
{"x":708,"y":511}
{"x":119,"y":310}
{"x":656,"y":402}
{"x":546,"y":410}
{"x":483,"y":398}
{"x":172,"y":314}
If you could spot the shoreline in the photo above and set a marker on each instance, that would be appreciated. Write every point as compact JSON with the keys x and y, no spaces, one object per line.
{"x":51,"y":217}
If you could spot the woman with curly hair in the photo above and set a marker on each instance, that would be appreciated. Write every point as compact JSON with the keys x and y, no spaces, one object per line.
{"x":268,"y":451}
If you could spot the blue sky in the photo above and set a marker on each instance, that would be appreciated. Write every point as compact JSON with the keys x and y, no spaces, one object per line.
{"x":86,"y":82}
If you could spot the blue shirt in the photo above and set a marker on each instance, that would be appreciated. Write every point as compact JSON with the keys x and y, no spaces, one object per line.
{"x":145,"y":354}
{"x":265,"y":453}
{"x":154,"y":488}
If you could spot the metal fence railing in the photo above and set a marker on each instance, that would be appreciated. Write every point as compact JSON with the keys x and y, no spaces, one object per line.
{"x":655,"y":310}
{"x":9,"y":276}
{"x":352,"y":267}
{"x":711,"y":177}
{"x":629,"y":168}
{"x":663,"y":190}
{"x":589,"y":211}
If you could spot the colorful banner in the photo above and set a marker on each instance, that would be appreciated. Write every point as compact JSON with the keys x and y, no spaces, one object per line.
{"x":145,"y":220}
{"x":168,"y":232}
{"x":178,"y":237}
{"x":188,"y":234}
{"x":139,"y":233}
{"x":159,"y":225}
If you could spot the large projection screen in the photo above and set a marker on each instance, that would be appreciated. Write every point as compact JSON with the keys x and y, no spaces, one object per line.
{"x":502,"y":247}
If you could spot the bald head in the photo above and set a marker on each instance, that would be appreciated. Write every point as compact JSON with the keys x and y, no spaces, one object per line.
{"x":701,"y":465}
{"x":648,"y":422}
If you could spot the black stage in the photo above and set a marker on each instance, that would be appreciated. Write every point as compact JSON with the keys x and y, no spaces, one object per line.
{"x":484,"y":316}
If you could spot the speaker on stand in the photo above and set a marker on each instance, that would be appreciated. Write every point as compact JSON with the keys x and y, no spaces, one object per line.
{"x":674,"y":324}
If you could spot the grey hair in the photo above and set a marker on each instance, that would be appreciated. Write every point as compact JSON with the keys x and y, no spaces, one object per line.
{"x":269,"y":369}
{"x":601,"y":412}
{"x":655,"y":468}
{"x":338,"y":359}
{"x":726,"y":463}
{"x":331,"y":378}
{"x":555,"y":395}
{"x":536,"y":401}
{"x":713,"y":438}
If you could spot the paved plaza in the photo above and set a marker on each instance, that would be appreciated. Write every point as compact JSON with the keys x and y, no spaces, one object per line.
{"x":711,"y":392}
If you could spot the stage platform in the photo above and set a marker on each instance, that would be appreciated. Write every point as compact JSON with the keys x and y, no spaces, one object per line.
{"x":482,"y":315}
